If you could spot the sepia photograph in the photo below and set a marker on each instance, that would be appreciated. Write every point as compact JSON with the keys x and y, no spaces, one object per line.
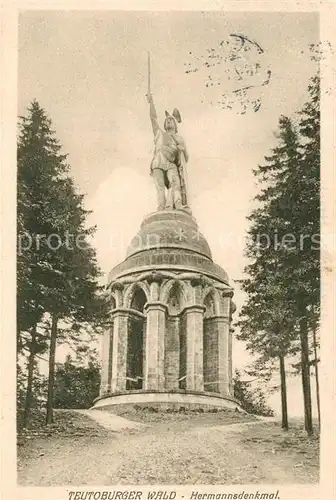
{"x":168,"y":246}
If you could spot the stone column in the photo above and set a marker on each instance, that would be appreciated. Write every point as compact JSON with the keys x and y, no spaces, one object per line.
{"x":172,"y":352}
{"x":231,"y":330}
{"x":119,"y":350}
{"x":224,"y":346}
{"x":106,"y":371}
{"x":224,"y":355}
{"x":154,"y":346}
{"x":210,"y":354}
{"x":194,"y":344}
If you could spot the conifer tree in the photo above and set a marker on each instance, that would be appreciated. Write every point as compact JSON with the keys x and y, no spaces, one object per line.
{"x":266,"y":321}
{"x":282,"y":281}
{"x":58,"y":271}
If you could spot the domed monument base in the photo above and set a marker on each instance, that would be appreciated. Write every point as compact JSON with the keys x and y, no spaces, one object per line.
{"x":170,"y":343}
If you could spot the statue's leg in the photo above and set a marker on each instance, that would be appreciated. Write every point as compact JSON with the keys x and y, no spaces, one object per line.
{"x":169,"y":195}
{"x":158,"y":176}
{"x":169,"y":202}
{"x":175,"y":186}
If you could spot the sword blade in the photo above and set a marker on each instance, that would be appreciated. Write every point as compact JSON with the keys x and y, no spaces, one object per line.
{"x":149,"y":76}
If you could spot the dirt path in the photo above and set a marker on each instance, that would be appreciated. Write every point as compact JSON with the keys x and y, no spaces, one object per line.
{"x":109,"y":421}
{"x":169,"y":453}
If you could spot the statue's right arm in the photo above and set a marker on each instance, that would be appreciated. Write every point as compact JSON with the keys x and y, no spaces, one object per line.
{"x":153,"y":115}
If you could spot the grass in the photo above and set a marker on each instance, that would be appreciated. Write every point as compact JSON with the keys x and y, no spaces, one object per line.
{"x":151,"y":415}
{"x":293,"y":443}
{"x":67,"y":423}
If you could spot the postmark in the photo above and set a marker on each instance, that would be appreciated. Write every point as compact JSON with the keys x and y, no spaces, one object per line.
{"x":235,"y":73}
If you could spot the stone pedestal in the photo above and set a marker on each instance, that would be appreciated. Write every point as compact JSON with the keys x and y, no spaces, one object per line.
{"x":194,"y":347}
{"x":154,"y":346}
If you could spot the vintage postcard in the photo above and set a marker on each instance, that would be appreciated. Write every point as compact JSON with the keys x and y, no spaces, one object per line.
{"x":168,"y":250}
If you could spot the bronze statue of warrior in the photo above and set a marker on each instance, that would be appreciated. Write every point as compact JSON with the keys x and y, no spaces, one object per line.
{"x":170,"y":153}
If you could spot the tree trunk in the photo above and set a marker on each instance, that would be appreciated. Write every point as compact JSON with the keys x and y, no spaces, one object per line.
{"x":51,"y":378}
{"x":18,"y":339}
{"x":30,"y":378}
{"x":284,"y":414}
{"x":317,"y":379}
{"x":305,"y":373}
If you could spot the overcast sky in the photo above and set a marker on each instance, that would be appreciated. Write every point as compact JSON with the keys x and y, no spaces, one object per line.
{"x":88,"y":70}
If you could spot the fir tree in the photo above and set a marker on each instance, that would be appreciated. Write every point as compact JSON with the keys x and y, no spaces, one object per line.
{"x":252,"y":400}
{"x":266,"y":321}
{"x":282,"y":281}
{"x":58,"y":273}
{"x":77,"y":380}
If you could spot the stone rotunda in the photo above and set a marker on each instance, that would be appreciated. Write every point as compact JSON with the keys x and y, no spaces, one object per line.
{"x":170,"y":342}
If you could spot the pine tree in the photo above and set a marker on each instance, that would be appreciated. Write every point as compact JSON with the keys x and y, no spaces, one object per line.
{"x":283,"y":277}
{"x":252,"y":400}
{"x":266,"y":321}
{"x":39,"y":165}
{"x":308,"y":219}
{"x":77,"y":380}
{"x":59,"y":275}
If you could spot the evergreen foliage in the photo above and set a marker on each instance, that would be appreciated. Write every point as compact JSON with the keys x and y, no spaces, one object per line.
{"x":283,"y":277}
{"x":58,"y":274}
{"x":77,"y":383}
{"x":252,"y":400}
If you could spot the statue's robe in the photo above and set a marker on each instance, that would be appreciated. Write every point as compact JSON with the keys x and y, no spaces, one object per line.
{"x":167,"y":155}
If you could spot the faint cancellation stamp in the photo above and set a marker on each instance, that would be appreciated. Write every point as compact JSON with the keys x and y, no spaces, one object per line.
{"x":235,"y":73}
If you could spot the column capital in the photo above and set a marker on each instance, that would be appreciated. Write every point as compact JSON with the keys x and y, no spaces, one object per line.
{"x":201,"y":280}
{"x":124,"y":311}
{"x":196,"y":281}
{"x":194,"y":308}
{"x":156,"y":305}
{"x":116,"y":285}
{"x":155,"y":277}
{"x":221,"y":319}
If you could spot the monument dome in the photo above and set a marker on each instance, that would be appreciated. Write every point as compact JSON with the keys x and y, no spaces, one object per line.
{"x":169,"y":229}
{"x":169,"y":239}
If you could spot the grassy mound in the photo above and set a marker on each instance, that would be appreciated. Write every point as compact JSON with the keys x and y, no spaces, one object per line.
{"x":155,"y":415}
{"x":67,"y":423}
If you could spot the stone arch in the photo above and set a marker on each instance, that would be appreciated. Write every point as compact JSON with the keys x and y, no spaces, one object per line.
{"x":136,"y":298}
{"x":175,"y":295}
{"x":211,"y":298}
{"x":169,"y":285}
{"x":175,"y":300}
{"x":130,"y":291}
